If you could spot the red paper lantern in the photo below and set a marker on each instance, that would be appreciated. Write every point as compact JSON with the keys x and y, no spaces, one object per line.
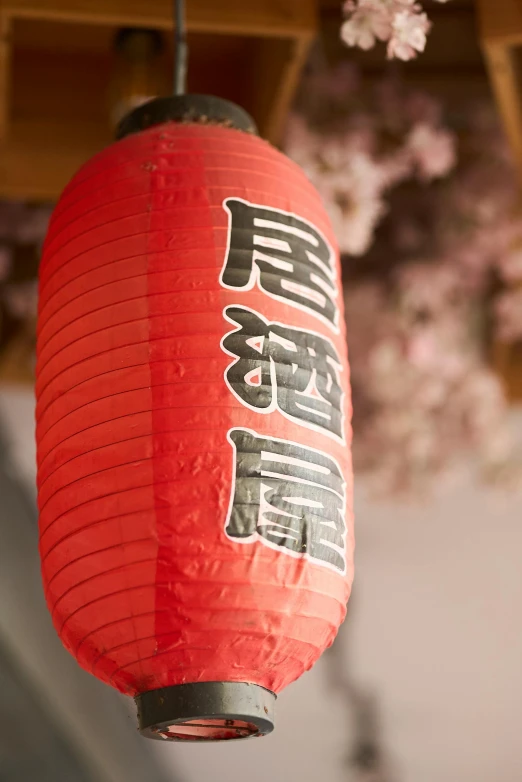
{"x":193,"y":424}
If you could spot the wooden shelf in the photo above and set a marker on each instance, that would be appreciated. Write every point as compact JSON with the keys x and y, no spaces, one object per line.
{"x":56,"y":63}
{"x":266,"y":18}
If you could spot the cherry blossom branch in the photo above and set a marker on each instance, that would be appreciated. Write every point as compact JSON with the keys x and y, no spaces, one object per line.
{"x":401,"y":23}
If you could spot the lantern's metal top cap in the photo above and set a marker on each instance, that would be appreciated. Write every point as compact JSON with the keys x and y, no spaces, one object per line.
{"x":206,"y":711}
{"x":201,"y":109}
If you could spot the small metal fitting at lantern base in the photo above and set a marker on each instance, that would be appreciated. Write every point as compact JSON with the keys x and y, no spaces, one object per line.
{"x":206,"y":711}
{"x":198,"y":109}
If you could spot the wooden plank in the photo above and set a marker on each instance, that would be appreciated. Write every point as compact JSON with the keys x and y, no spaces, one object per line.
{"x":500,"y":22}
{"x":16,"y":362}
{"x":267,"y":18}
{"x":500,"y":28}
{"x":502,"y":63}
{"x":69,"y":37}
{"x":281,"y":104}
{"x":60,"y":110}
{"x":277,"y":67}
{"x":5,"y":73}
{"x":39,"y":157}
{"x":68,"y":87}
{"x":507,"y":361}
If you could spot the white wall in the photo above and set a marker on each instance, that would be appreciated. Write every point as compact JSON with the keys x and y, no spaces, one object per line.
{"x":435,"y":630}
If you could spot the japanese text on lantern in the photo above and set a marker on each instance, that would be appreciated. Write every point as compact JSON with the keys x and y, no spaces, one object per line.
{"x":288,"y":496}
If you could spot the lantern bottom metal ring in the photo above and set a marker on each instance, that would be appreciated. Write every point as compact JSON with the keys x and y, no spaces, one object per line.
{"x":206,"y":711}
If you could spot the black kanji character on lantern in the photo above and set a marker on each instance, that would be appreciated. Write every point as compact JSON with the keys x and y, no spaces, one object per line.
{"x":287,"y":496}
{"x":290,"y":259}
{"x":281,"y":367}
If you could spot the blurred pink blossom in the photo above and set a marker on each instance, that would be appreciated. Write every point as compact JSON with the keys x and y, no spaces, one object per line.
{"x":368,"y":21}
{"x":402,"y":23}
{"x":353,"y":219}
{"x":409,"y":29}
{"x":407,"y":236}
{"x":301,"y":144}
{"x":416,"y":309}
{"x":510,"y":265}
{"x":420,"y":107}
{"x":428,"y":394}
{"x":432,"y":149}
{"x":338,"y":83}
{"x":352,"y":194}
{"x":347,"y":176}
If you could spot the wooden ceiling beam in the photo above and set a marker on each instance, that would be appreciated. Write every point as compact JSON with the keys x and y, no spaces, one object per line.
{"x":500,"y":22}
{"x":500,"y":29}
{"x":500,"y":26}
{"x":5,"y":73}
{"x":265,"y":18}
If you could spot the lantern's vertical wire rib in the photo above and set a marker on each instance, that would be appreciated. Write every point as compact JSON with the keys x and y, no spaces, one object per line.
{"x":180,"y":48}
